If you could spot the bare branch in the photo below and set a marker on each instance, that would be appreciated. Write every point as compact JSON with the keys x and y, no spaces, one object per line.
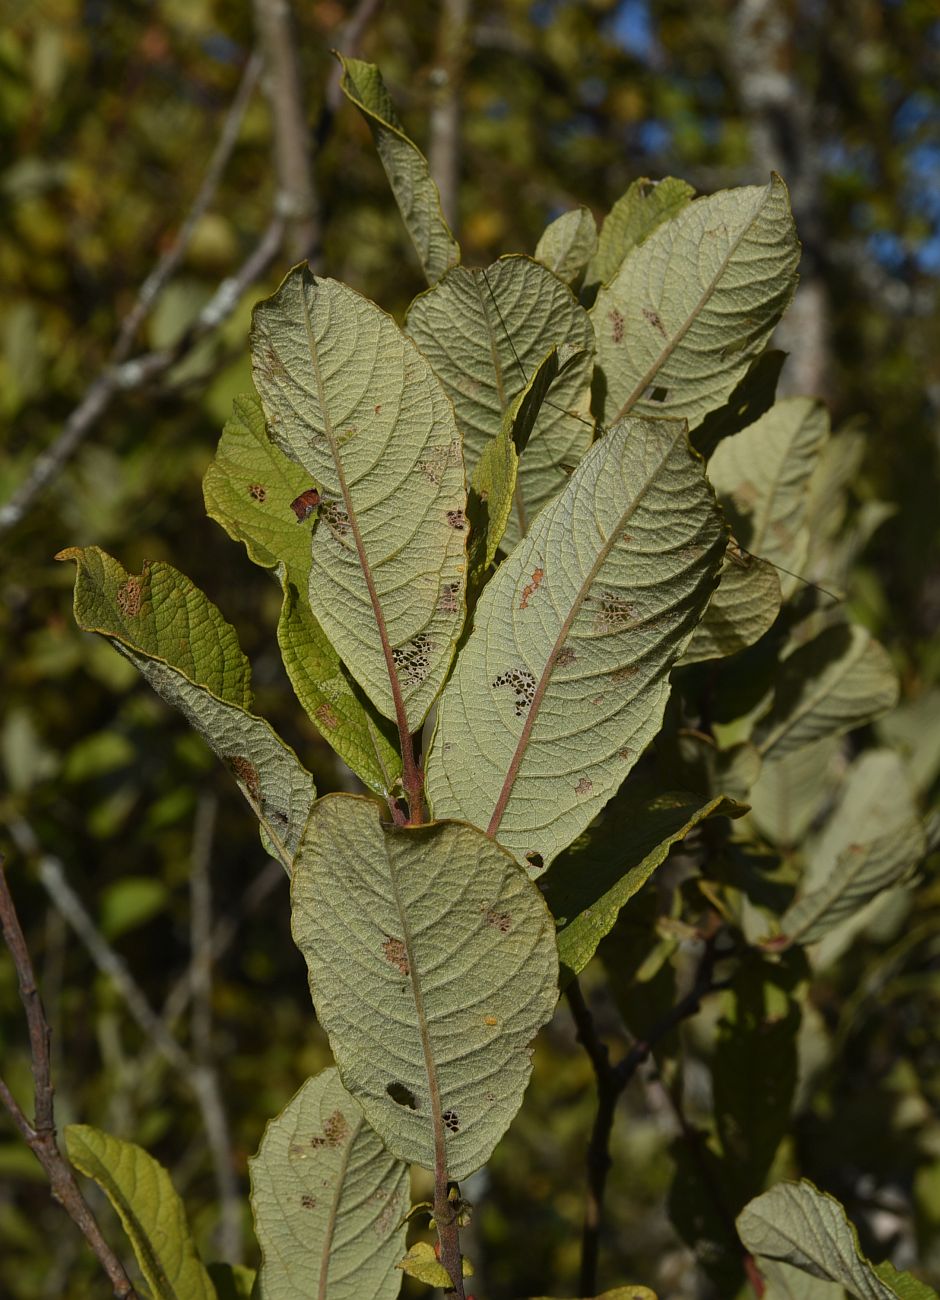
{"x":40,"y":1134}
{"x":297,"y":197}
{"x":444,"y":125}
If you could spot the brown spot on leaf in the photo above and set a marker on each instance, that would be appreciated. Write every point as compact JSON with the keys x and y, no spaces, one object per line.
{"x":129,"y":595}
{"x":336,"y":518}
{"x":531,"y":587}
{"x":457,"y":520}
{"x":397,"y":954}
{"x":522,"y":683}
{"x":616,"y":324}
{"x":490,"y":1020}
{"x":449,"y":602}
{"x":335,"y":1132}
{"x":624,"y":673}
{"x":613,"y":612}
{"x":628,"y":755}
{"x":564,"y":657}
{"x":584,"y":786}
{"x":598,"y":699}
{"x":413,"y":659}
{"x":247,"y":773}
{"x":378,"y":409}
{"x":257,"y":491}
{"x":501,"y":921}
{"x":653,"y":318}
{"x":326,"y":717}
{"x":308,"y":1201}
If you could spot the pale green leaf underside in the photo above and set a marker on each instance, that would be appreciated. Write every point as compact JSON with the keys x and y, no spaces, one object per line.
{"x":565,"y":677}
{"x":871,"y":842}
{"x":150,"y":1211}
{"x":837,"y":681}
{"x":485,"y":332}
{"x":328,"y":1201}
{"x":349,"y":396}
{"x":248,"y":489}
{"x":632,"y":219}
{"x":621,"y":1293}
{"x":179,"y":642}
{"x":691,"y":307}
{"x":588,"y":885}
{"x":790,"y":791}
{"x":416,"y":194}
{"x":798,"y":1225}
{"x":568,"y":244}
{"x":745,"y":604}
{"x":762,"y":477}
{"x":432,"y":965}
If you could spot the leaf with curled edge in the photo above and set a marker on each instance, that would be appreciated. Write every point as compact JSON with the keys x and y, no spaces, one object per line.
{"x":692,"y":306}
{"x":486,"y":331}
{"x":564,"y":678}
{"x":347,"y":395}
{"x":183,"y":647}
{"x":456,"y":949}
{"x":416,"y":194}
{"x":249,"y":489}
{"x":745,"y":606}
{"x":149,"y":1208}
{"x":632,"y":219}
{"x":328,"y":1200}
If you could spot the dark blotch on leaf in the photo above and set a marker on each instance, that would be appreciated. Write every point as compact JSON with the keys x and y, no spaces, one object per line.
{"x":450,"y":1121}
{"x":534,"y":859}
{"x":402,"y":1095}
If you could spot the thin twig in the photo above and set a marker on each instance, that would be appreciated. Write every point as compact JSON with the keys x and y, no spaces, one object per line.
{"x":611,"y":1082}
{"x":40,"y":1135}
{"x":297,"y":199}
{"x":218,"y":1133}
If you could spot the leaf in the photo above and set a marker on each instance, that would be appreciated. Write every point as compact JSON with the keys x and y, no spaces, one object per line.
{"x":632,"y":219}
{"x":249,"y":489}
{"x":485,"y":332}
{"x":150,"y":1211}
{"x":620,"y":1293}
{"x":750,"y":398}
{"x":421,"y":1262}
{"x":329,"y":1202}
{"x":232,"y":1281}
{"x":831,"y":684}
{"x":432,"y":965}
{"x":904,"y":1286}
{"x":796,"y":1224}
{"x":493,"y":485}
{"x":180,"y":643}
{"x":745,"y":606}
{"x":590,"y":882}
{"x":405,"y":166}
{"x":791,"y":791}
{"x":762,"y":477}
{"x":873,"y":840}
{"x":568,"y":244}
{"x":348,"y":395}
{"x":564,"y":679}
{"x":690,"y":308}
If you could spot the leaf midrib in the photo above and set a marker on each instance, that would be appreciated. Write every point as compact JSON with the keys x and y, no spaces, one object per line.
{"x":670,"y":347}
{"x":827,"y":687}
{"x":515,"y":762}
{"x":330,"y":1228}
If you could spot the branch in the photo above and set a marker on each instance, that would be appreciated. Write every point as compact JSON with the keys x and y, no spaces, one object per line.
{"x":296,"y":197}
{"x":611,"y":1082}
{"x":40,"y":1134}
{"x":444,"y":126}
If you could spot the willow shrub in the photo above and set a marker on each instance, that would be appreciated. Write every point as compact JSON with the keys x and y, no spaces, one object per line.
{"x":560,"y":514}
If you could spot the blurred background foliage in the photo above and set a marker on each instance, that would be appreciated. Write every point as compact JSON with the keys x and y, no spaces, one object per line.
{"x":109,"y":113}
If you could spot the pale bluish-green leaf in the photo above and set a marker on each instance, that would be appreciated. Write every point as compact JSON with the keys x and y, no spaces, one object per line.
{"x":872,"y":841}
{"x":493,"y":485}
{"x":432,"y":965}
{"x":754,"y":393}
{"x":835,"y":682}
{"x":797,"y":1225}
{"x":568,"y":244}
{"x":762,"y":477}
{"x":745,"y":604}
{"x":632,"y":219}
{"x":328,"y":1201}
{"x":913,"y":728}
{"x":406,"y":168}
{"x":180,"y":643}
{"x":690,"y":309}
{"x":249,"y":489}
{"x":349,"y":396}
{"x":792,"y":790}
{"x":485,"y":332}
{"x":564,"y":679}
{"x":150,"y":1211}
{"x":588,"y":884}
